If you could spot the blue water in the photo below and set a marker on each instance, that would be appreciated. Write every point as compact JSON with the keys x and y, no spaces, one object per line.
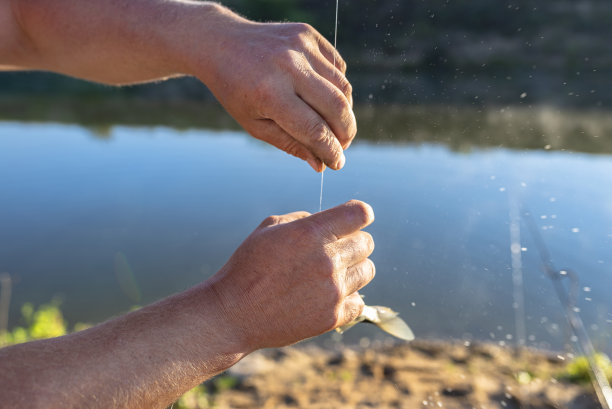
{"x":175,"y":204}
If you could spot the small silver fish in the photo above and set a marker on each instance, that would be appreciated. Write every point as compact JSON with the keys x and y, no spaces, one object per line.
{"x":384,"y":318}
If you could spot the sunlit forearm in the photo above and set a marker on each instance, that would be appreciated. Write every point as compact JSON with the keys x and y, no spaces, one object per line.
{"x":145,"y":359}
{"x":109,"y":41}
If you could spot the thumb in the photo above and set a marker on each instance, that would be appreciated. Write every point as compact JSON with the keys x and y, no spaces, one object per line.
{"x":344,"y":219}
{"x":284,"y":218}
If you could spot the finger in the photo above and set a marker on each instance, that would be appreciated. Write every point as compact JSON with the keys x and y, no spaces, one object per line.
{"x":306,"y":126}
{"x":351,"y":309}
{"x":268,"y":131}
{"x":284,"y":218}
{"x":331,"y":73}
{"x":358,"y":276}
{"x":331,"y":53}
{"x":354,"y":248}
{"x":329,"y":101}
{"x":343,"y":220}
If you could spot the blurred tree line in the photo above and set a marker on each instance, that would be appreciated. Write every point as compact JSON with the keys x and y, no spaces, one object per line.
{"x":477,"y":52}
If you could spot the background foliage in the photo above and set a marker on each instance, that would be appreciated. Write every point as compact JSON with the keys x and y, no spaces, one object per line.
{"x":425,"y":51}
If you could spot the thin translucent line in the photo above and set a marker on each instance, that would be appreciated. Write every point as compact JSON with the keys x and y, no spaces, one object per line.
{"x":335,"y":42}
{"x":321,"y":195}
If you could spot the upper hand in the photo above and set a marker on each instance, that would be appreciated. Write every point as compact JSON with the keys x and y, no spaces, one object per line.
{"x":280,"y":83}
{"x":297,"y":276}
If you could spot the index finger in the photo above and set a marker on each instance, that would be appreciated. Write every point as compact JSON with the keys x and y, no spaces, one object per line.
{"x":345,"y":219}
{"x":331,"y":53}
{"x":292,"y":114}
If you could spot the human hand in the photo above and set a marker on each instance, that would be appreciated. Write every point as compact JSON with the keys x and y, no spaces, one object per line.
{"x":297,"y":276}
{"x":280,"y":83}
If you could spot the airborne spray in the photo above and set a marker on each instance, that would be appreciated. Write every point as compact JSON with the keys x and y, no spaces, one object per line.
{"x":383,"y":317}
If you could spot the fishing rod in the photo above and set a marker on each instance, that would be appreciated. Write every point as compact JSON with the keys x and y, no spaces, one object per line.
{"x":568,"y":300}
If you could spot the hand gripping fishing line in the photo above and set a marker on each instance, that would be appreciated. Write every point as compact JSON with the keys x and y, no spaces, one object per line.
{"x":383,"y":317}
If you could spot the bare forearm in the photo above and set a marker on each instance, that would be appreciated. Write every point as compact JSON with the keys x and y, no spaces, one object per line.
{"x":109,"y":41}
{"x":145,"y":359}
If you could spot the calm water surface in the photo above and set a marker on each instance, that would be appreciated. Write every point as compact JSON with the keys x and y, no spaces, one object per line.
{"x":107,"y":221}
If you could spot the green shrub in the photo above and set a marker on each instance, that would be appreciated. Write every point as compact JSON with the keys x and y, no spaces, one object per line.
{"x":579,"y":371}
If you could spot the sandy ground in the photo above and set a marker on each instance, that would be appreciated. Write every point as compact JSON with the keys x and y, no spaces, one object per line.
{"x":421,"y":374}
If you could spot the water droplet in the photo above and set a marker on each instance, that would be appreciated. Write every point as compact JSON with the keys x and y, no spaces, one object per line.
{"x":364,"y":342}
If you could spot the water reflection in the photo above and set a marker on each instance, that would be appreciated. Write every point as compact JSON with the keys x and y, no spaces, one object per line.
{"x":461,"y":128}
{"x":177,"y":203}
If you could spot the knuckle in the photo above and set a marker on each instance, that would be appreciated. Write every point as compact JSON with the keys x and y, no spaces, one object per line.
{"x":299,"y":34}
{"x":294,"y":148}
{"x":317,"y":131}
{"x":367,"y":241}
{"x":352,"y":129}
{"x":371,"y":270}
{"x":354,"y":308}
{"x":340,"y":103}
{"x":321,"y":141}
{"x":345,"y":86}
{"x":336,"y":262}
{"x":327,"y":265}
{"x":302,"y":28}
{"x":308,"y":231}
{"x":341,"y":64}
{"x":270,"y":220}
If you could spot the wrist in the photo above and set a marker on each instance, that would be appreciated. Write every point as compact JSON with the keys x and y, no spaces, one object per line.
{"x":202,"y":35}
{"x":214,"y":340}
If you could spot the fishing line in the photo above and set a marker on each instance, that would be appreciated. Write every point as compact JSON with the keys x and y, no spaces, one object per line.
{"x":335,"y":42}
{"x":568,"y":300}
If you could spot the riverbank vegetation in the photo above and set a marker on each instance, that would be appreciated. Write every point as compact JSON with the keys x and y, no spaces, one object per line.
{"x":480,"y":53}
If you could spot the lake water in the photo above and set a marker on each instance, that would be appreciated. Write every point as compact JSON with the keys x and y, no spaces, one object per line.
{"x":108,"y":220}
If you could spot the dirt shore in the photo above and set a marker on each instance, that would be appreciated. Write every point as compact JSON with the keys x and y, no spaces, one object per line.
{"x":423,"y":374}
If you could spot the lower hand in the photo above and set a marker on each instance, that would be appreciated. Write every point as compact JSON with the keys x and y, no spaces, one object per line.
{"x":297,"y":276}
